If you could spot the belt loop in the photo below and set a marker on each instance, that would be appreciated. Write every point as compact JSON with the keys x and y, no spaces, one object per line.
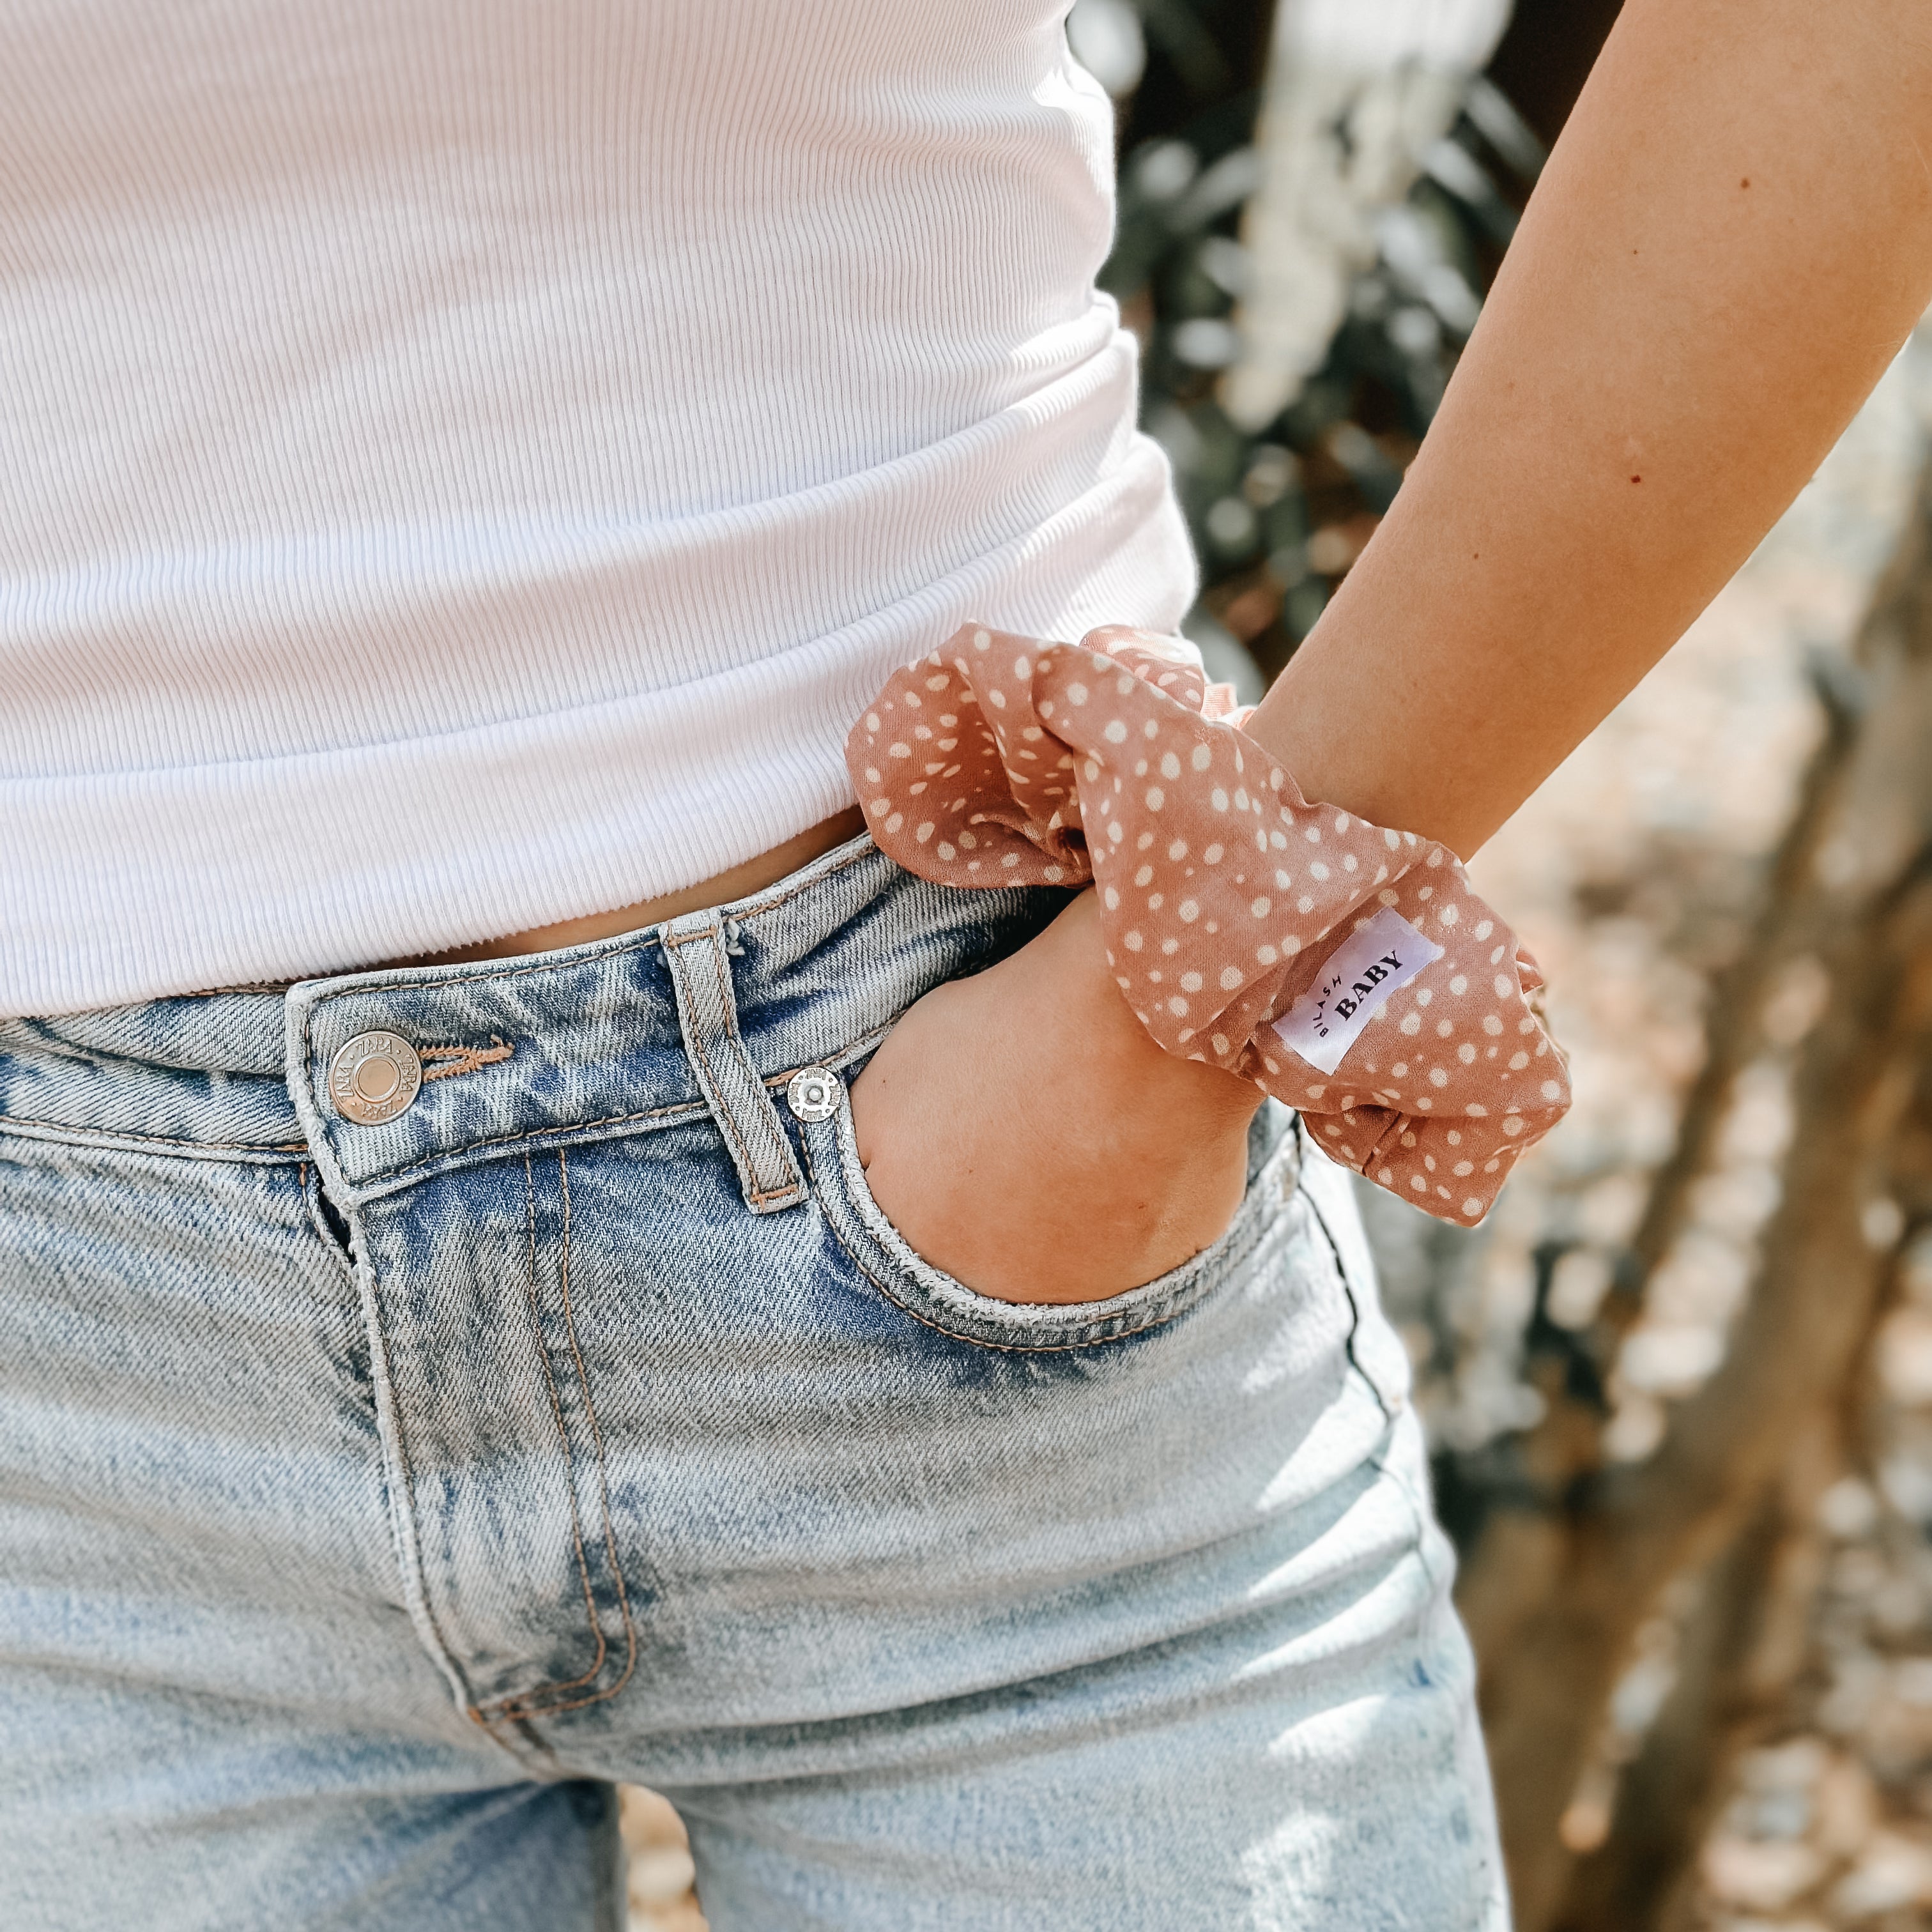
{"x":694,"y":949}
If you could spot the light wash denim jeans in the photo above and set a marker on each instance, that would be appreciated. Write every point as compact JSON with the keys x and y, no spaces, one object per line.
{"x":371,"y":1496}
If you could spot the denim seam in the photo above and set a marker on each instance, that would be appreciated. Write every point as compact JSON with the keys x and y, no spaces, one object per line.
{"x":925,"y":1321}
{"x":1165,"y":1311}
{"x":323,"y":1232}
{"x":761,"y":906}
{"x":514,"y":1706}
{"x":385,"y":1176}
{"x":216,"y":992}
{"x":524,"y":1705}
{"x":1419,"y":1514}
{"x":405,"y":1506}
{"x":980,"y":1341}
{"x":569,"y":1464}
{"x":1245,"y":1233}
{"x":603,"y":1470}
{"x":1419,"y":1517}
{"x":1348,"y":1290}
{"x":282,"y":1153}
{"x":841,"y":1056}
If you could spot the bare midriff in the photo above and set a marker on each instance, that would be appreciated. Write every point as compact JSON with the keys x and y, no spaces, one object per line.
{"x":753,"y":876}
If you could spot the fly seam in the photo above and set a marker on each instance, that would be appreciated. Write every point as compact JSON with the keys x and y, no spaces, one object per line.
{"x":511,"y":1706}
{"x":379,"y":1369}
{"x":603,"y":1491}
{"x":324,"y":1232}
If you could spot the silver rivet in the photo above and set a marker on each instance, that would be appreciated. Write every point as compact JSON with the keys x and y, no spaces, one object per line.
{"x":374,"y":1078}
{"x":814,"y":1093}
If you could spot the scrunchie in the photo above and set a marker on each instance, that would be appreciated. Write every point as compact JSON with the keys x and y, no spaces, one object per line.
{"x":1347,"y":969}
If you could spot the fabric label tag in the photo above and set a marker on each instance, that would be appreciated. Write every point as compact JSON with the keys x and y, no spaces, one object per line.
{"x":1371,"y":964}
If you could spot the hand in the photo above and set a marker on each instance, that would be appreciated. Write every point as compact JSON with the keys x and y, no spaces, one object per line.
{"x":1026,"y":1136}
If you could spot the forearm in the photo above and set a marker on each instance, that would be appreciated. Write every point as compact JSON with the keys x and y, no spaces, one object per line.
{"x":1666,"y":354}
{"x":1732,"y":238}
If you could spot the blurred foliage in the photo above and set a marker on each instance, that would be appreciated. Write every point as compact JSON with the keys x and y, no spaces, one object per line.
{"x":1277,"y":516}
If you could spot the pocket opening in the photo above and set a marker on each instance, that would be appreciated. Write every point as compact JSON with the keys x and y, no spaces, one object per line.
{"x":884,"y":1258}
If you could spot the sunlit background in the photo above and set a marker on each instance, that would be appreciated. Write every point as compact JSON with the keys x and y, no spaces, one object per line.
{"x":1679,"y":1384}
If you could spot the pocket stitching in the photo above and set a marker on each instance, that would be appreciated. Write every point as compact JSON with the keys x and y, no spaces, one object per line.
{"x":1175,"y":1302}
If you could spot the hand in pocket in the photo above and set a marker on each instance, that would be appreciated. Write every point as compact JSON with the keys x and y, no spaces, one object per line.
{"x":1026,"y":1136}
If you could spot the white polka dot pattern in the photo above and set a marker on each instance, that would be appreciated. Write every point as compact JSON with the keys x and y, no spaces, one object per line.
{"x":1006,"y":761}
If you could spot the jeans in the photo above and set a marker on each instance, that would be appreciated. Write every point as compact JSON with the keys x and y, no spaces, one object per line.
{"x":373,"y":1494}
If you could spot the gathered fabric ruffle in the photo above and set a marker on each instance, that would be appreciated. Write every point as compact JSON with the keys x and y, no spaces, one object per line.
{"x":1349,"y":970}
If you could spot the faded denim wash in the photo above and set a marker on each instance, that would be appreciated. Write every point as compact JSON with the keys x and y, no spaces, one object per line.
{"x":371,"y":1497}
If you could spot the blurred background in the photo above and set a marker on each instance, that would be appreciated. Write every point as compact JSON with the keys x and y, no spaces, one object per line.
{"x":1679,"y":1384}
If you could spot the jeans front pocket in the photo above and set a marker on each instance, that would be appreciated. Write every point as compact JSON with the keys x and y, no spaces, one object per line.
{"x":883,"y":1257}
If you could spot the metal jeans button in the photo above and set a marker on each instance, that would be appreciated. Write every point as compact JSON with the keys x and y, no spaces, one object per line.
{"x":813,"y":1092}
{"x":374,"y":1078}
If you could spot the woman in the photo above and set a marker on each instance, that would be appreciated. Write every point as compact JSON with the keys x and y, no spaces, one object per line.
{"x":470,"y":1344}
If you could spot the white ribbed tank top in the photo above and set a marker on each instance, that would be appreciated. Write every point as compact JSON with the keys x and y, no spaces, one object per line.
{"x":465,"y":465}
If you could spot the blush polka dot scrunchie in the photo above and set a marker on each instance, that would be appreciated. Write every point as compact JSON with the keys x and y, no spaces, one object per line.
{"x":1349,"y":971}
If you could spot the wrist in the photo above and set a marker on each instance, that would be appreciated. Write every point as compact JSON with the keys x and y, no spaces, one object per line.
{"x":1127,"y":1058}
{"x":1253,"y":935}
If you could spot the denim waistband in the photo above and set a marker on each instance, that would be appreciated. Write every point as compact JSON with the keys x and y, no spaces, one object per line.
{"x":522,"y":1053}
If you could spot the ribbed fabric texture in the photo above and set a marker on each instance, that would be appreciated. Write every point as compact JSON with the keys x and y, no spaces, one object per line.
{"x":463,"y":465}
